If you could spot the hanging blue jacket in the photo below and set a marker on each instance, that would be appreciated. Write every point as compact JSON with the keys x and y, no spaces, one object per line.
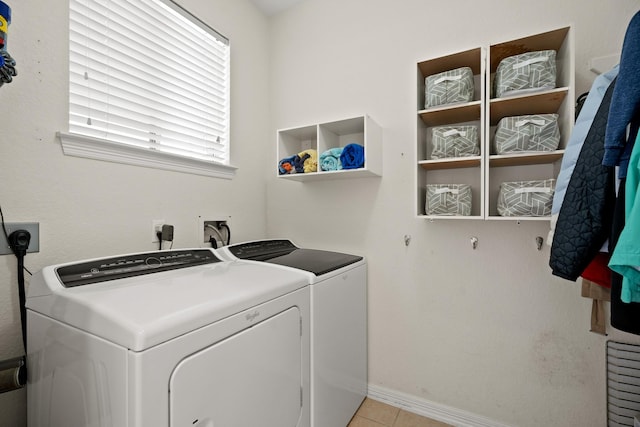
{"x":625,"y":104}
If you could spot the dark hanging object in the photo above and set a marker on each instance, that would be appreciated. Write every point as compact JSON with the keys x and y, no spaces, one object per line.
{"x":7,"y":63}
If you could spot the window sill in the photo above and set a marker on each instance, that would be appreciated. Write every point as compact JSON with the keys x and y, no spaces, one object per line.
{"x":102,"y":149}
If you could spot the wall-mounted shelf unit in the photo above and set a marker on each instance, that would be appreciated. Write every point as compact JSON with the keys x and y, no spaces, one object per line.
{"x":560,"y":100}
{"x":324,"y":136}
{"x":487,"y":171}
{"x":460,"y":170}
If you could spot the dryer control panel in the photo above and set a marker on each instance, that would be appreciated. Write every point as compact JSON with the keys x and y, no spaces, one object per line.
{"x":262,"y":250}
{"x":100,"y":270}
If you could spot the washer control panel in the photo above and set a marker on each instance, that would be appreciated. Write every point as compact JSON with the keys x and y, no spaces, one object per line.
{"x":86,"y":273}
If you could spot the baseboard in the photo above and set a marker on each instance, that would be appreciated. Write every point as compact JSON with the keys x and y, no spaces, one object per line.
{"x":436,"y":411}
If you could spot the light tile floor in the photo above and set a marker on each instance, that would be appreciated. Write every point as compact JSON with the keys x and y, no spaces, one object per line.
{"x":377,"y":414}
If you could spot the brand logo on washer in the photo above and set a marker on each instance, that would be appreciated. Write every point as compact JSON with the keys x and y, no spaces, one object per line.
{"x":252,"y":316}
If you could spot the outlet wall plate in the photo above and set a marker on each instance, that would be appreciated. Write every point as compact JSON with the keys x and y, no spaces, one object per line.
{"x":32,"y":227}
{"x":204,"y":233}
{"x":156,"y":226}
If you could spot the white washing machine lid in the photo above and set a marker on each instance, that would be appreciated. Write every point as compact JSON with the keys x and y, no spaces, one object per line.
{"x":138,"y":311}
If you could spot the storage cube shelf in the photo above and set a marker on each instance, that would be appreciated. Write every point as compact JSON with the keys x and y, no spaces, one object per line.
{"x":485,"y":172}
{"x":324,"y":136}
{"x":459,"y":170}
{"x":560,"y":100}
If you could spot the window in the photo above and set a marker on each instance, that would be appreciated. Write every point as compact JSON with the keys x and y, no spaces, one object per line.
{"x":148,"y":85}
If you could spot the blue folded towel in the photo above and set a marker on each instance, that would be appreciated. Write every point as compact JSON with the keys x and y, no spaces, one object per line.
{"x":330,"y":159}
{"x":287,"y":165}
{"x":352,"y":156}
{"x":292,"y":164}
{"x":298,"y":162}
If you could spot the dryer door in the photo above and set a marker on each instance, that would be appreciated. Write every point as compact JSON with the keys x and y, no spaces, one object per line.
{"x":252,"y":378}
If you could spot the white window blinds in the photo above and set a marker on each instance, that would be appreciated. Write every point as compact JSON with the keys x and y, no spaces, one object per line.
{"x":147,"y":74}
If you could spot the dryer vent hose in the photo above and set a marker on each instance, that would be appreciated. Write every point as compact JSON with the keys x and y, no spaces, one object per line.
{"x":12,"y":374}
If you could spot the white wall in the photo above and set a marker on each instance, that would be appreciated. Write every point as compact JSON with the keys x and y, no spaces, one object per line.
{"x":90,"y":208}
{"x":489,"y":331}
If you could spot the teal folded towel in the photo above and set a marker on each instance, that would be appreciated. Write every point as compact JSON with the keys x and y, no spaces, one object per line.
{"x":330,"y":159}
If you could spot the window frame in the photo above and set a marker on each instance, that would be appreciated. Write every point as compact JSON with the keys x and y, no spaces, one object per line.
{"x":79,"y":145}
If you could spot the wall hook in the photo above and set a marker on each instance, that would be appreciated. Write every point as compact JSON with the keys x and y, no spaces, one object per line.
{"x":539,"y":241}
{"x":474,"y":242}
{"x":407,"y":239}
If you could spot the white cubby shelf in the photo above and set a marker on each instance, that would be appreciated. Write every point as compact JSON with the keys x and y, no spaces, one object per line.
{"x":323,"y":136}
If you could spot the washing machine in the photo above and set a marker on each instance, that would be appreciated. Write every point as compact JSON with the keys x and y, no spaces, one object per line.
{"x":338,"y":284}
{"x":168,"y":339}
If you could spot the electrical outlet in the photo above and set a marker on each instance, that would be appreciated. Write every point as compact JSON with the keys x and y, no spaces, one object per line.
{"x":32,"y":227}
{"x":205,"y":231}
{"x":156,"y":226}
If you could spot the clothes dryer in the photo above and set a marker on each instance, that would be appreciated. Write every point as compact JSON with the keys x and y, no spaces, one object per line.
{"x":168,"y":339}
{"x":338,"y":284}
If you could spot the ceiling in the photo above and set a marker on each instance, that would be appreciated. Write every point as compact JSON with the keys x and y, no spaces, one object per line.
{"x":273,"y":7}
